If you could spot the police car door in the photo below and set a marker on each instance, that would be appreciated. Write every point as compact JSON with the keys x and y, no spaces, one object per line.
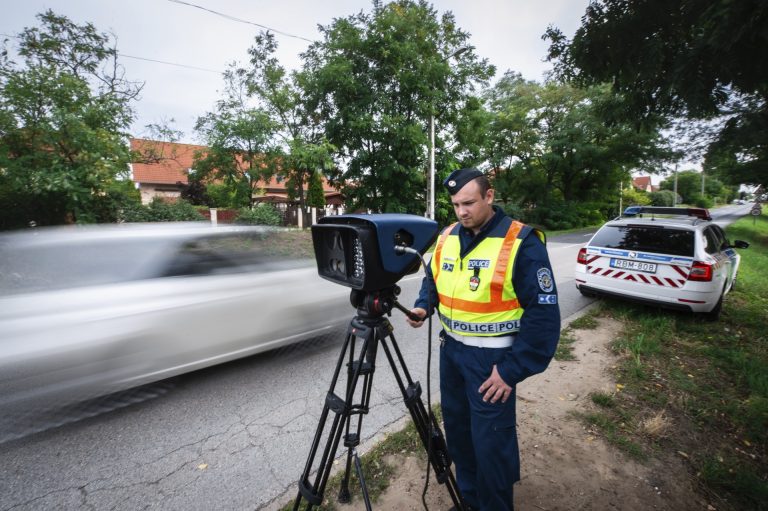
{"x":728,"y":253}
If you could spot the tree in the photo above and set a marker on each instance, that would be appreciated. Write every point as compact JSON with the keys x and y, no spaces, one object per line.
{"x":376,"y":79}
{"x":240,"y":139}
{"x":64,"y":115}
{"x":305,"y":153}
{"x":195,"y":192}
{"x":555,"y":142}
{"x":688,"y":185}
{"x":690,"y":58}
{"x":263,"y":129}
{"x":315,"y":194}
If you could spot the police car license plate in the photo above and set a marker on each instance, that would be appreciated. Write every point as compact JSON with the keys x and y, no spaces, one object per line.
{"x":633,"y":265}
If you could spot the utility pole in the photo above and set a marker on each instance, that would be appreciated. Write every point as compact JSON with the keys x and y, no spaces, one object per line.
{"x":621,"y":193}
{"x":431,"y":199}
{"x":674,"y":199}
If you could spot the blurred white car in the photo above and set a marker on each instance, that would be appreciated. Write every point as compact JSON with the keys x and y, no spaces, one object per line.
{"x":89,"y":311}
{"x":671,"y":257}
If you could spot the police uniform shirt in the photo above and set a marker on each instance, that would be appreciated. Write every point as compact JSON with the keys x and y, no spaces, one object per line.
{"x":535,"y":343}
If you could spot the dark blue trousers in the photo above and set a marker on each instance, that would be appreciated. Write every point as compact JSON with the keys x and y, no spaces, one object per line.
{"x":481,"y":437}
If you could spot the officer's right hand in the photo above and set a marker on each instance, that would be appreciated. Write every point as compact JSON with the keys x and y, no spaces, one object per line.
{"x":417,"y":311}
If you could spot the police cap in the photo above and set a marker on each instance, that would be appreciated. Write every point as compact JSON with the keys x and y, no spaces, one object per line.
{"x":459,"y":178}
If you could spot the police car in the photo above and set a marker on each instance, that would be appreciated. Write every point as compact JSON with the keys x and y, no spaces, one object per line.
{"x":676,"y":258}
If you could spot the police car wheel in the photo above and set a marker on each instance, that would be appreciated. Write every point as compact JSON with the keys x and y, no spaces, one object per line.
{"x":714,"y":314}
{"x":586,"y":294}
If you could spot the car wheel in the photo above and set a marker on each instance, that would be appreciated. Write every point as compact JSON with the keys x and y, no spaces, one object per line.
{"x":714,"y":314}
{"x":586,"y":294}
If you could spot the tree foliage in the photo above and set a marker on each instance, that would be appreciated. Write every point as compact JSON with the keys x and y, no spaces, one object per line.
{"x":634,"y":197}
{"x":240,"y":137}
{"x":64,"y":113}
{"x":558,"y":143}
{"x":262,"y":128}
{"x":305,"y":153}
{"x":315,"y":194}
{"x":694,"y":58}
{"x":689,"y":187}
{"x":376,"y":78}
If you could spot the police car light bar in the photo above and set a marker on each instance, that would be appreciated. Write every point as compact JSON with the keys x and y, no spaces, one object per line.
{"x":700,"y":213}
{"x":365,"y":252}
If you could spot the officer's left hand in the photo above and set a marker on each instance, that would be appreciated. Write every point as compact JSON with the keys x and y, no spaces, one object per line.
{"x":495,"y":388}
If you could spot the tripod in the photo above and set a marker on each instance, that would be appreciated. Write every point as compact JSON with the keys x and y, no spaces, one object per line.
{"x":374,"y":330}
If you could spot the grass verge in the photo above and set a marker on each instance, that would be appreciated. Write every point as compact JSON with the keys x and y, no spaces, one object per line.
{"x":565,"y":344}
{"x":699,"y":390}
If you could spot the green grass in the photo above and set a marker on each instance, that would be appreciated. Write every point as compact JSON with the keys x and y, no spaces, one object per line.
{"x":617,"y":433}
{"x":564,"y":350}
{"x":586,"y":322}
{"x":710,"y":380}
{"x":603,"y":399}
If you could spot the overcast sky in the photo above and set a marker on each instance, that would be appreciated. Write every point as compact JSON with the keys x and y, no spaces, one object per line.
{"x":507,"y":33}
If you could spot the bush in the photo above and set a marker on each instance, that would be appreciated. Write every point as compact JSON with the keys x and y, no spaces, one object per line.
{"x":564,"y":215}
{"x":636,"y":197}
{"x":228,"y":196}
{"x":701,"y":201}
{"x":160,"y":210}
{"x":513,"y":211}
{"x":110,"y":207}
{"x":261,"y":214}
{"x":665,"y":198}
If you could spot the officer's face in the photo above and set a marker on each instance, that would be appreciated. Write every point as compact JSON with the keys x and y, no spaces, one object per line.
{"x":472,"y":209}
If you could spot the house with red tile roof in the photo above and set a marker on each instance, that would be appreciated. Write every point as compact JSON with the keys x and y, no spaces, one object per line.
{"x":643,"y":183}
{"x":163,"y":171}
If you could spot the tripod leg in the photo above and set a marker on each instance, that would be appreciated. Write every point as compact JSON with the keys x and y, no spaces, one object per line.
{"x":343,"y":409}
{"x":366,"y":366}
{"x":363,"y":487}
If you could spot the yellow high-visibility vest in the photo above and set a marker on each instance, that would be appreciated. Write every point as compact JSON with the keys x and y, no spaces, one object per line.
{"x":475,"y":292}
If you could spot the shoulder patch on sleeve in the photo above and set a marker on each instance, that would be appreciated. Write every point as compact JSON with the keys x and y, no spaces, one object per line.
{"x":546,"y":283}
{"x":548,"y":299}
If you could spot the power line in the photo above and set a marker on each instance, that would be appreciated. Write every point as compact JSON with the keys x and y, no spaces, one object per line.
{"x":240,"y":20}
{"x":170,"y":63}
{"x":147,"y":59}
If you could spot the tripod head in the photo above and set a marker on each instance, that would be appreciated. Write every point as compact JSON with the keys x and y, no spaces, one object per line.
{"x":375,"y":304}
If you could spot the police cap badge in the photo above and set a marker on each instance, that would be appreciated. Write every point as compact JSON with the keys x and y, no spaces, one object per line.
{"x":459,"y":178}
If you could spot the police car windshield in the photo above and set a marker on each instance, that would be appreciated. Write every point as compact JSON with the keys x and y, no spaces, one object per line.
{"x":660,"y":240}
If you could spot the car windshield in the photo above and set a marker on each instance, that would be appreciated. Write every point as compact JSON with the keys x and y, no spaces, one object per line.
{"x":660,"y":240}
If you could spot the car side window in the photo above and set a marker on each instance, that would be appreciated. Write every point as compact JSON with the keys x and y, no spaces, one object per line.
{"x":199,"y":258}
{"x":720,"y":233}
{"x":712,"y":243}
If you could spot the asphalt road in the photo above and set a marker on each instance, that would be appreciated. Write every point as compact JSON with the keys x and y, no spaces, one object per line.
{"x":235,"y":436}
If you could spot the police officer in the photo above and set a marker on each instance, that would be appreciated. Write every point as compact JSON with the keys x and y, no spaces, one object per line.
{"x":491,"y":281}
